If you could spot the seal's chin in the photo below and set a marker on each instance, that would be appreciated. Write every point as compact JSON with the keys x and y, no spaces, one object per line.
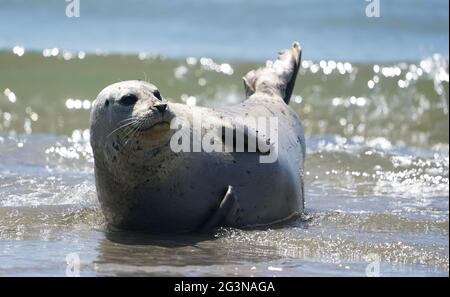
{"x":155,"y":135}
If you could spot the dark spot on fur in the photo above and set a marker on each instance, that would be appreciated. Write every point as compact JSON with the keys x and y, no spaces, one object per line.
{"x":248,"y":171}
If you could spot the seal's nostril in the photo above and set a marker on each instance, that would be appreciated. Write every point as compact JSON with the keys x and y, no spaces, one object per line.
{"x":161,"y":107}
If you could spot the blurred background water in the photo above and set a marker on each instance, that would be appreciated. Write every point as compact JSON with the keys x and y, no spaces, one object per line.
{"x":251,"y":29}
{"x":372,"y":94}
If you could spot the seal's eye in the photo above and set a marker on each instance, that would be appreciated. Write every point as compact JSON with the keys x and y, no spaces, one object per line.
{"x":157,"y":95}
{"x":106,"y":102}
{"x":128,"y":100}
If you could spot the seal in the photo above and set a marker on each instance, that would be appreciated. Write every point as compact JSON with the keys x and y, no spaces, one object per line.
{"x":145,"y":180}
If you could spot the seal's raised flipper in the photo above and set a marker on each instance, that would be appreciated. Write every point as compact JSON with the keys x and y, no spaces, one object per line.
{"x":277,"y":78}
{"x":226,"y":215}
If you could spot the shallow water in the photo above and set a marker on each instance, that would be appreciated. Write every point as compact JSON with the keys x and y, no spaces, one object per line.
{"x":376,"y":183}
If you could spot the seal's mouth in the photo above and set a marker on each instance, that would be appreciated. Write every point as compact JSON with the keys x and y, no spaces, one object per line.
{"x":159,"y":125}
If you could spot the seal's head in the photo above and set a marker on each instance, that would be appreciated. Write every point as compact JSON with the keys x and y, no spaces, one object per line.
{"x":129,"y":116}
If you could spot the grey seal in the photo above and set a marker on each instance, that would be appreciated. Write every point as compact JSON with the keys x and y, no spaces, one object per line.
{"x":144,"y":184}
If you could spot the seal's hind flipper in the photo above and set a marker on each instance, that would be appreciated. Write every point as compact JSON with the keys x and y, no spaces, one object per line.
{"x":293,"y":57}
{"x":249,"y":83}
{"x":226,"y":215}
{"x":277,"y":77}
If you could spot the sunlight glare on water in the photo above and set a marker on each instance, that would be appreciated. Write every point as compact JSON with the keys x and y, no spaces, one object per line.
{"x":375,"y":114}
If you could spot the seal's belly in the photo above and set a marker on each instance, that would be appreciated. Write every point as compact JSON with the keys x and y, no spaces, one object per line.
{"x":266,"y":192}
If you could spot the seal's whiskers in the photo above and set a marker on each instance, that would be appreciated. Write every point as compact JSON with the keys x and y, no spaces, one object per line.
{"x":134,"y":130}
{"x":130,"y":122}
